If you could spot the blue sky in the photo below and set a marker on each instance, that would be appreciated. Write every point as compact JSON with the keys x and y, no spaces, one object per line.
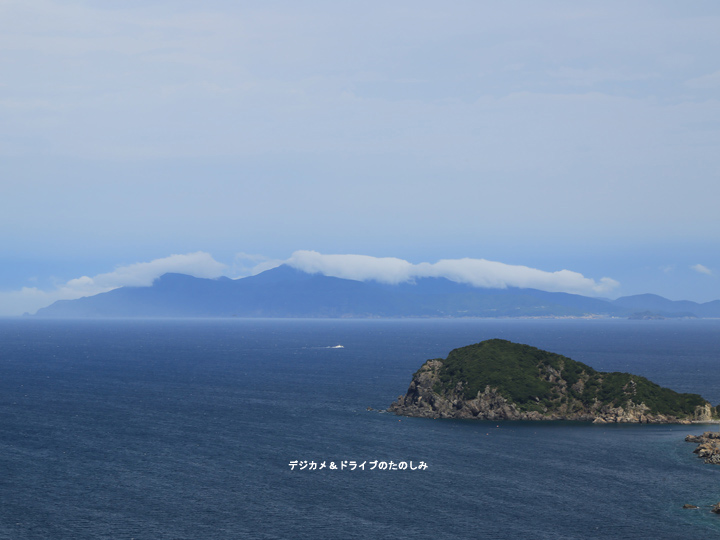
{"x":556,"y":135}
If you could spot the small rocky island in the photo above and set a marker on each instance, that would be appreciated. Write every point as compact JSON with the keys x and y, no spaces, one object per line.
{"x":708,"y":447}
{"x":501,"y":380}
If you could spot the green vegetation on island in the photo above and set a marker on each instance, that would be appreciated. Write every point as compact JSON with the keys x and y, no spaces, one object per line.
{"x":498,"y":379}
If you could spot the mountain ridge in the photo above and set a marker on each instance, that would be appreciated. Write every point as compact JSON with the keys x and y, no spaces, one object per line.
{"x":285,"y":292}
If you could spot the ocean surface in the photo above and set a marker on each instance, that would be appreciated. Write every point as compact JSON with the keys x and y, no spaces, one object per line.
{"x":166,"y":429}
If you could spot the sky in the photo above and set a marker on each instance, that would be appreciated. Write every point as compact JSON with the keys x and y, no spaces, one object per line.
{"x":568,"y":145}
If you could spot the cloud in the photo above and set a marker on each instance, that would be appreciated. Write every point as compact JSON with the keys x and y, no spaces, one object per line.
{"x":476,"y":272}
{"x":30,"y":299}
{"x":702,"y":269}
{"x":199,"y":264}
{"x":357,"y":267}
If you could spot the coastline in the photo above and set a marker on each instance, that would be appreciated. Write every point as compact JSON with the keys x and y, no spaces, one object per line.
{"x":501,"y":380}
{"x":708,"y":446}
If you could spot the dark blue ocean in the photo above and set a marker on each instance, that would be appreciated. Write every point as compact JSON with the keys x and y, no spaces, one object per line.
{"x":161,"y":429}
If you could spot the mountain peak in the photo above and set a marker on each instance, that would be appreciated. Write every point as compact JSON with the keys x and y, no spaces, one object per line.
{"x":285,"y":291}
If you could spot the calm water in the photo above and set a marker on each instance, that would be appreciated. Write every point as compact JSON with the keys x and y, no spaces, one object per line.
{"x":185,"y":430}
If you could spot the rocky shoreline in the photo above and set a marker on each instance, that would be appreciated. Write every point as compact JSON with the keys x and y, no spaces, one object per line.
{"x":422,"y":400}
{"x":708,"y":446}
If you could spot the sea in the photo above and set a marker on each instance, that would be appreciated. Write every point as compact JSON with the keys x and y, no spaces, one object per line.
{"x":267,"y":429}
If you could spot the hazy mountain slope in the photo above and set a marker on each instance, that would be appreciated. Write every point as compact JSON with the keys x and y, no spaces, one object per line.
{"x":663,"y":306}
{"x":287,"y":292}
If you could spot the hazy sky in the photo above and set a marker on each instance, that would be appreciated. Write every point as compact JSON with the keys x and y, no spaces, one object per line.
{"x":139,"y":137}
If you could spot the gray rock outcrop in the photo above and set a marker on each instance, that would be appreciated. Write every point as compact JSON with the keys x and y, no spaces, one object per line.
{"x":500,"y":380}
{"x":421,"y":400}
{"x":708,"y":446}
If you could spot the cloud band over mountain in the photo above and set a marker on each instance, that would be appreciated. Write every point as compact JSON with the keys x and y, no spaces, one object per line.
{"x":29,"y":299}
{"x":476,"y":272}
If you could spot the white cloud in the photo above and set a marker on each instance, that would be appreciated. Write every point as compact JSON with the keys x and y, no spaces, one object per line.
{"x":30,"y":299}
{"x":357,"y":267}
{"x":197,"y":264}
{"x":702,"y":269}
{"x":476,"y":272}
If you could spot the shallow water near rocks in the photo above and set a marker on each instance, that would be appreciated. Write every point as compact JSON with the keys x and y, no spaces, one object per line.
{"x":186,"y":429}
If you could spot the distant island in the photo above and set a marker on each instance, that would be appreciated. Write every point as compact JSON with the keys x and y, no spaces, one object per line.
{"x":285,"y":292}
{"x":501,"y":380}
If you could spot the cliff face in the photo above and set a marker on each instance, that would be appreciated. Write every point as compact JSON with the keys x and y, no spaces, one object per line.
{"x":499,"y":380}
